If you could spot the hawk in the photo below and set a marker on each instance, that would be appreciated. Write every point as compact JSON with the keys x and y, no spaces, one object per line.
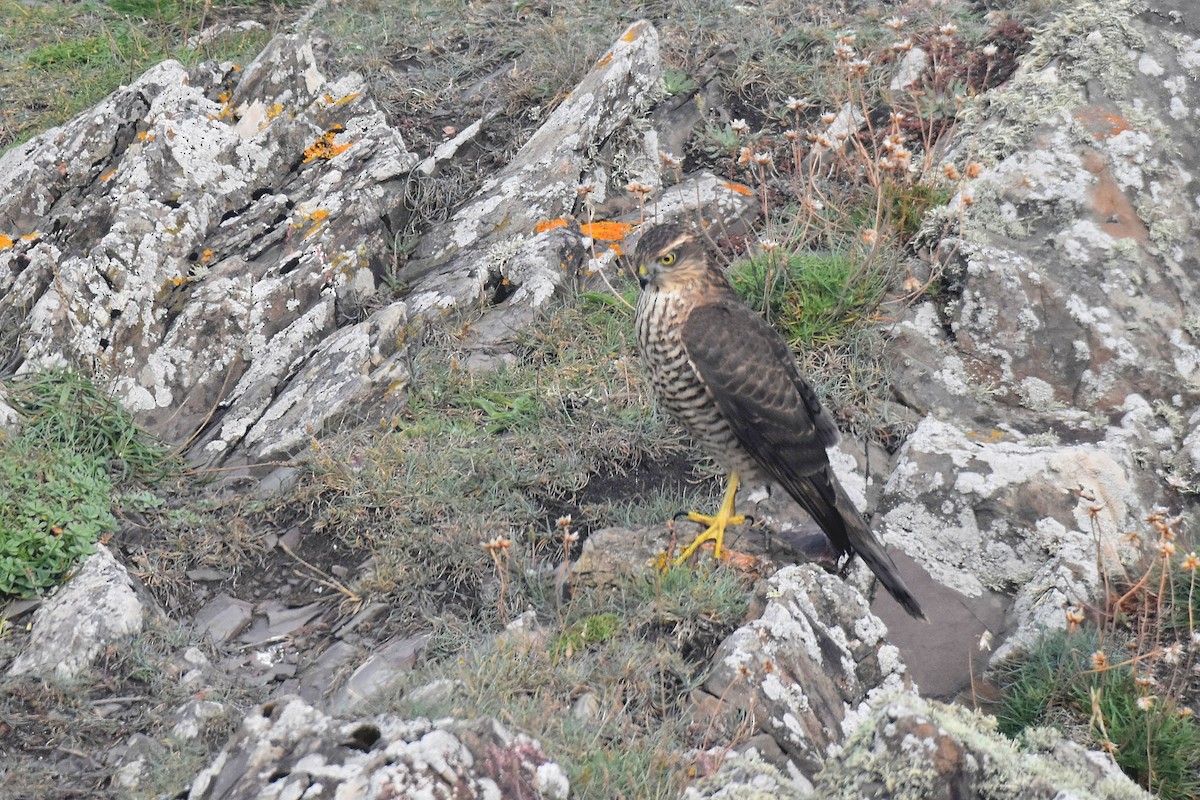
{"x":731,"y":380}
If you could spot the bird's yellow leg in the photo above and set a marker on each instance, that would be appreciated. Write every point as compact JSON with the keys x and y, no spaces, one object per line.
{"x":715,"y":532}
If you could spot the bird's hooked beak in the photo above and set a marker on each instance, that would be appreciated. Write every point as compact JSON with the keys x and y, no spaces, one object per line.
{"x":645,"y":271}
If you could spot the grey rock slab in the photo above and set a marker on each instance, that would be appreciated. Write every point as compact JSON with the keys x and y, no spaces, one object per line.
{"x":283,"y":620}
{"x":592,"y":132}
{"x":1011,"y":517}
{"x":382,"y":669}
{"x":288,"y":749}
{"x":321,"y":671}
{"x":96,"y":608}
{"x":223,"y":618}
{"x":197,"y":235}
{"x":1075,"y":264}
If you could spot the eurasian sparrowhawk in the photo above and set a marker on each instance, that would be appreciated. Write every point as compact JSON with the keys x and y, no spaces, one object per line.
{"x":732,"y":381}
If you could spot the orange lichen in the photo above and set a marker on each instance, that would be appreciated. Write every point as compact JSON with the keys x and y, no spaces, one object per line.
{"x":606,"y":231}
{"x":106,"y":177}
{"x":145,"y":136}
{"x":340,"y":101}
{"x":633,"y":32}
{"x":739,"y":188}
{"x":5,"y":242}
{"x":31,"y":237}
{"x":324,"y":146}
{"x":549,"y":224}
{"x":314,"y":218}
{"x":604,"y":61}
{"x":206,"y":255}
{"x":1101,"y":122}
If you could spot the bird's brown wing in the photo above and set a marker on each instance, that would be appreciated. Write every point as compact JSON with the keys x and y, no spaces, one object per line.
{"x":774,"y":412}
{"x":778,"y":419}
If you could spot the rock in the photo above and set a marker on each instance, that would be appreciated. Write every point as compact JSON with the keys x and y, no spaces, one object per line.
{"x":746,"y":776}
{"x":1076,"y":263}
{"x":206,"y":231}
{"x":223,"y":618}
{"x":320,"y":671}
{"x":383,"y":668}
{"x":134,"y":761}
{"x":192,"y":718}
{"x":591,"y":138}
{"x":289,"y":749}
{"x":803,"y":670}
{"x":908,"y":747}
{"x":8,"y":415}
{"x":1008,"y":516}
{"x":611,"y":553}
{"x":95,"y":609}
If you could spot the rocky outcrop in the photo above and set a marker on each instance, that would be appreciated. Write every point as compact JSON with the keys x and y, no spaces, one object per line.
{"x":801,"y":670}
{"x":97,"y":608}
{"x":909,"y":747}
{"x":290,"y":749}
{"x":1059,"y":377}
{"x":215,"y":244}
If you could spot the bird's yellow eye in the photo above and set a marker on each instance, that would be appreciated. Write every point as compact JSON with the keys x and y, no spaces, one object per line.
{"x":667,"y":259}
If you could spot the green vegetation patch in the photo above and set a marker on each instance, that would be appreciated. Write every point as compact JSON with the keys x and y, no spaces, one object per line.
{"x":57,"y":59}
{"x":57,"y":476}
{"x":813,"y":298}
{"x":54,"y":505}
{"x":1073,"y":682}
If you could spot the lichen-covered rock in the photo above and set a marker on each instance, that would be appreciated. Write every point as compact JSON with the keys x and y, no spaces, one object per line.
{"x":804,"y":668}
{"x":597,"y":137}
{"x":995,"y":512}
{"x":197,"y":234}
{"x":746,"y":776}
{"x":95,"y":609}
{"x":909,"y":748}
{"x":290,"y":749}
{"x":1075,"y":266}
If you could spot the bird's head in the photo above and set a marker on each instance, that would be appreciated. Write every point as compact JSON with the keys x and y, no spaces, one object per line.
{"x":671,"y":255}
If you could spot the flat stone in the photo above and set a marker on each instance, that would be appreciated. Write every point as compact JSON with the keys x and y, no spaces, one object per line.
{"x":379,"y":671}
{"x":317,"y":675}
{"x":223,"y":618}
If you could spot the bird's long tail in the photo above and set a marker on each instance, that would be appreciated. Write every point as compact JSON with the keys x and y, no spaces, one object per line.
{"x":827,"y":502}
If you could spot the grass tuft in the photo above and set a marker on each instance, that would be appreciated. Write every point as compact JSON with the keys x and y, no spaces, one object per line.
{"x":1124,"y":682}
{"x":73,"y":445}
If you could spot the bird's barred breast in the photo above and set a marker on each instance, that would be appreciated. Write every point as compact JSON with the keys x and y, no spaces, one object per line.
{"x":676,"y":384}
